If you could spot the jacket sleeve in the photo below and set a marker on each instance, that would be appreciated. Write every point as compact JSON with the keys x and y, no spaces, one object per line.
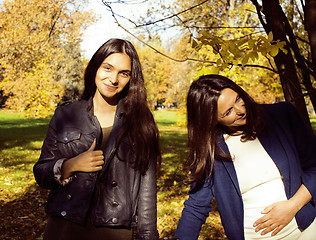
{"x":305,"y":141}
{"x":147,"y":205}
{"x":196,"y":210}
{"x":44,"y":167}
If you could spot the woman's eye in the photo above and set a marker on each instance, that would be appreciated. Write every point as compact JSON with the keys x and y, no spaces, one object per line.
{"x":106,"y":68}
{"x":125,"y":74}
{"x":227,"y":113}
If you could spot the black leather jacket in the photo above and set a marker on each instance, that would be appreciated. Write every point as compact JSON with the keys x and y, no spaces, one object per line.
{"x":124,"y":196}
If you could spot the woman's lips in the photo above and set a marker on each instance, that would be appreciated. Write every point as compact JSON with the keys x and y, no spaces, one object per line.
{"x":243,"y":117}
{"x":112,"y":88}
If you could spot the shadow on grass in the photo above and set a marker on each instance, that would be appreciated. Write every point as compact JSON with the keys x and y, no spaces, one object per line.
{"x":173,"y":187}
{"x":174,"y":161}
{"x":17,"y":137}
{"x":24,"y":218}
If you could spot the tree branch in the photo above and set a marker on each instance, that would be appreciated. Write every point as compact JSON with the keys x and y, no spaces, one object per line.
{"x":258,"y":9}
{"x":172,"y":58}
{"x":55,"y":20}
{"x":173,"y":15}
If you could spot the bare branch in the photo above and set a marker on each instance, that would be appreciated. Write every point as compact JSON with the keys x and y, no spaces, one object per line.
{"x":259,"y":10}
{"x":172,"y":58}
{"x":127,"y":2}
{"x":184,"y":24}
{"x":299,"y":12}
{"x":55,"y":19}
{"x":224,"y":27}
{"x":173,"y":15}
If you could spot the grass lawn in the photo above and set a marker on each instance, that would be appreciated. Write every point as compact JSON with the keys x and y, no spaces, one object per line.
{"x":21,"y":200}
{"x":22,"y":213}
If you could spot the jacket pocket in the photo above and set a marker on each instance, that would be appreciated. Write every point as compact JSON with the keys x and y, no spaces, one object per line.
{"x":71,"y":142}
{"x":68,"y":135}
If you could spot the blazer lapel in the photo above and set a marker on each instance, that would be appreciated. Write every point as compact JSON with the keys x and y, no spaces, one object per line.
{"x":229,"y":166}
{"x":271,"y":141}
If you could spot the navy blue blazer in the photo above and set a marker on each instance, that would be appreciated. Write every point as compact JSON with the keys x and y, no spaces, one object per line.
{"x":290,"y":144}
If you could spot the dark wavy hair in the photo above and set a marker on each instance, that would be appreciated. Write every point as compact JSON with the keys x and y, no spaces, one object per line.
{"x":203,"y":126}
{"x":139,"y":124}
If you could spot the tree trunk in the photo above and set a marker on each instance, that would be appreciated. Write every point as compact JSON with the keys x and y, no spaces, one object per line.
{"x":305,"y":70}
{"x":284,"y":62}
{"x":310,"y":25}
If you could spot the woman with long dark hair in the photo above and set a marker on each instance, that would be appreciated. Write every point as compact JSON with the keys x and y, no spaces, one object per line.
{"x":100,"y":154}
{"x":258,"y":162}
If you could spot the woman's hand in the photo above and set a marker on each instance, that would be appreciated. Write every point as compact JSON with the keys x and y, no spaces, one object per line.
{"x":88,"y":161}
{"x":279,"y":214}
{"x":276,"y":217}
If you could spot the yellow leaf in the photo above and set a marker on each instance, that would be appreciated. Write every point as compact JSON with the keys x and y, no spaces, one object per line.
{"x":245,"y":60}
{"x":270,"y":36}
{"x":274,"y":51}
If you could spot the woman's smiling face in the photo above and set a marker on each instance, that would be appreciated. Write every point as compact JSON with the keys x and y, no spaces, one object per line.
{"x":231,"y":109}
{"x":113,"y":75}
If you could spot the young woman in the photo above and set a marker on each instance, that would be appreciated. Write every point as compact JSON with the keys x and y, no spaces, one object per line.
{"x":257,"y":161}
{"x":100,"y":154}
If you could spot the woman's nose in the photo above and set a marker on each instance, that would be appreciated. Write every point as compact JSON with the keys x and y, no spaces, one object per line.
{"x":114,"y":78}
{"x":239,"y":108}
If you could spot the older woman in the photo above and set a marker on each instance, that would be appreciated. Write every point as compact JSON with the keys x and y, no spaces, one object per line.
{"x":257,"y":161}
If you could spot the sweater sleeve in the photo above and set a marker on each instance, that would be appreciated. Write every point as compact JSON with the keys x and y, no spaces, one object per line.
{"x":196,"y":210}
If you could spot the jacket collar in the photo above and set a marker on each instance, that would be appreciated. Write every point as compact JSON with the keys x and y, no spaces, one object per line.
{"x":119,"y":108}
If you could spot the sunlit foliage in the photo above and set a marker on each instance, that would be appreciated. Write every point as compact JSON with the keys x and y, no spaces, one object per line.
{"x":40,"y":57}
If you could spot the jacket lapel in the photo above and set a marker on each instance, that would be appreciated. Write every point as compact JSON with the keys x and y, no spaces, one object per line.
{"x":271,"y":141}
{"x":111,"y":144}
{"x":229,"y":166}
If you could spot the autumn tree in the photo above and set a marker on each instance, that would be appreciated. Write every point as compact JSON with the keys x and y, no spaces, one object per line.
{"x":295,"y":65}
{"x":40,"y":57}
{"x":243,"y":32}
{"x":166,"y":81}
{"x":155,"y":71}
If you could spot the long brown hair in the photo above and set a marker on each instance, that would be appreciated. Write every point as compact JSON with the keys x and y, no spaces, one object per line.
{"x":203,"y":126}
{"x":139,"y":124}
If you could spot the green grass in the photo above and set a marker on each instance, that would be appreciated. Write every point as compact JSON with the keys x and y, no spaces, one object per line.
{"x":22,"y":200}
{"x":22,"y":212}
{"x":20,"y":143}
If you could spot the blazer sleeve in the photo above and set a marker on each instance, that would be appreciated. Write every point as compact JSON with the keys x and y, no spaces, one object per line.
{"x":305,"y":141}
{"x":196,"y":210}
